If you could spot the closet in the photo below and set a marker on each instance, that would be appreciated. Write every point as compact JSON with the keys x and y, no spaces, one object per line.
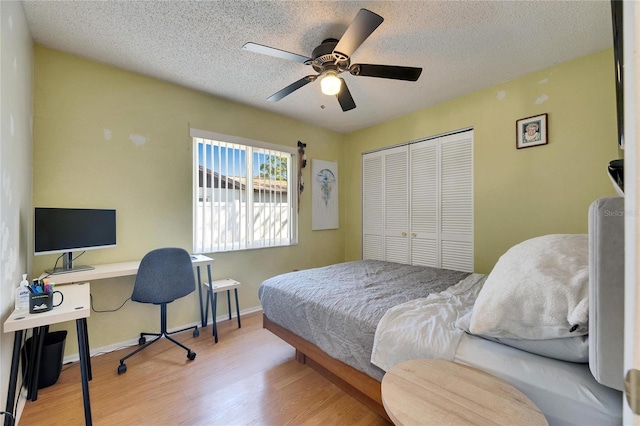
{"x":417,"y":203}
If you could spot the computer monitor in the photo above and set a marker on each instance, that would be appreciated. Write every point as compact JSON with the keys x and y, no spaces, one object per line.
{"x":63,"y":230}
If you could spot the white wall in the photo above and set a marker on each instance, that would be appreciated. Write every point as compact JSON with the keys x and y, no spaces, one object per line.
{"x":16,"y":117}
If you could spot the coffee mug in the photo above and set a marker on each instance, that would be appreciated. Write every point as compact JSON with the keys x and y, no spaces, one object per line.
{"x":43,"y":302}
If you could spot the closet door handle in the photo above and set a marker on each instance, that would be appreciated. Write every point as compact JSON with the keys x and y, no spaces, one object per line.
{"x":413,"y":234}
{"x":404,"y":234}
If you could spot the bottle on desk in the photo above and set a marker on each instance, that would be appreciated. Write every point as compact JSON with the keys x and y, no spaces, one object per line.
{"x":22,"y":294}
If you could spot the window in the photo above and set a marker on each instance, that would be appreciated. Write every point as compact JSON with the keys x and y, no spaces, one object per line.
{"x":244,"y":194}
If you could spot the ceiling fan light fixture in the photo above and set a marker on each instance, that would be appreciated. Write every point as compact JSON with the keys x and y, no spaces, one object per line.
{"x":333,"y":57}
{"x":330,"y":84}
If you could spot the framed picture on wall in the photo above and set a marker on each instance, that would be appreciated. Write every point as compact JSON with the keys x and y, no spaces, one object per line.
{"x":531,"y":131}
{"x":324,"y":194}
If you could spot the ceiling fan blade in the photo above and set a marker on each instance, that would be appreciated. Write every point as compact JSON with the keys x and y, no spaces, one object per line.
{"x":362,"y":26}
{"x":272,"y":51}
{"x":291,"y":88}
{"x":386,"y":71}
{"x":344,"y":97}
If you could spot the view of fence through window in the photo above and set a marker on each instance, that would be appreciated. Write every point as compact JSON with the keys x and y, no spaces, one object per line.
{"x":243,"y":197}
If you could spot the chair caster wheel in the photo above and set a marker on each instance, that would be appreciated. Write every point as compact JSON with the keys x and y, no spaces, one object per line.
{"x":196,"y":332}
{"x":191,"y":355}
{"x":122,"y":368}
{"x":142,"y":341}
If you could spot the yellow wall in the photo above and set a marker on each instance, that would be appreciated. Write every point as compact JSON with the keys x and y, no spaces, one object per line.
{"x":518,"y":193}
{"x":78,"y":104}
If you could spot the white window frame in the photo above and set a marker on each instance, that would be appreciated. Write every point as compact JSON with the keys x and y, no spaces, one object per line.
{"x":292,"y":193}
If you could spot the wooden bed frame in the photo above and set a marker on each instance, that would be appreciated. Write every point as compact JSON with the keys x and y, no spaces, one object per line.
{"x":356,"y":383}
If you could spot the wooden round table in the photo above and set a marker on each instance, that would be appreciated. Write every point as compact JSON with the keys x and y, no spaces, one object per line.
{"x":437,"y":392}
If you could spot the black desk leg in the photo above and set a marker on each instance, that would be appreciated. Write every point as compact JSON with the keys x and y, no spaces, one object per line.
{"x":203,"y":315}
{"x":87,"y":354}
{"x":235,"y":290}
{"x":229,"y":302}
{"x":214,"y":306}
{"x":209,"y":291}
{"x":83,"y":350}
{"x":13,"y":378}
{"x":37,"y":342}
{"x":211,"y":296}
{"x":31,"y":360}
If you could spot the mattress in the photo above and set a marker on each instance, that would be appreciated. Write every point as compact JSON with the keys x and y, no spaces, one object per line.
{"x":565,"y":392}
{"x":338,"y":307}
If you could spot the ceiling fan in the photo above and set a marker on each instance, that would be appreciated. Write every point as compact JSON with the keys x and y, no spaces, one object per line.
{"x":333,"y":57}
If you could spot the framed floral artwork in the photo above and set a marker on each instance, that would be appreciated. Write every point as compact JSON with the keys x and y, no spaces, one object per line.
{"x":324,"y":194}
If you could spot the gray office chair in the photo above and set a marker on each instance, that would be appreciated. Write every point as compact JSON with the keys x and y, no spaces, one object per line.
{"x":164,"y":275}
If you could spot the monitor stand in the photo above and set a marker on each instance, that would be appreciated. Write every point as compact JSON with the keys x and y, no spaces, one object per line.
{"x":58,"y":271}
{"x":68,"y":266}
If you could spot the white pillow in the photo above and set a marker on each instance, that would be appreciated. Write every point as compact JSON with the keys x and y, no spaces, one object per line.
{"x":538,"y":290}
{"x":572,"y":349}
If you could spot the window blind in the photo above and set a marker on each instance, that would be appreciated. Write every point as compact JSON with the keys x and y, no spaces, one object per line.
{"x":243,"y":196}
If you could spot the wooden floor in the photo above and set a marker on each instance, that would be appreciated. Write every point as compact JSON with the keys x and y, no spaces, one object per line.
{"x":249,"y":377}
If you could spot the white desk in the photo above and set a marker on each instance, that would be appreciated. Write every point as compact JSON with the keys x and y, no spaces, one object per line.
{"x":124,"y":269}
{"x":98,"y":272}
{"x":111,"y":270}
{"x":76,"y":306}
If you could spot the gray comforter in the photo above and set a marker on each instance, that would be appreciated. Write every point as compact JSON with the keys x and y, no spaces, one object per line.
{"x":338,"y":307}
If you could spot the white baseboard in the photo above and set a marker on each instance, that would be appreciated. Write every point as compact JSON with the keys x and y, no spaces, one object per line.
{"x":133,"y":342}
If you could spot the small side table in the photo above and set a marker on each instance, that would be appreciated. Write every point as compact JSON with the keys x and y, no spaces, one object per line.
{"x":438,"y":392}
{"x":227,"y":284}
{"x":76,"y":306}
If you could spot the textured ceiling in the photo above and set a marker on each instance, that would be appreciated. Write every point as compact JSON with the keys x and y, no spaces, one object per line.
{"x":461,"y":46}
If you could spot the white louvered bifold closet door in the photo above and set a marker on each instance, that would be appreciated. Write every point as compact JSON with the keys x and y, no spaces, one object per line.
{"x":396,"y":205}
{"x":425,"y":218}
{"x":418,"y":203}
{"x":372,"y":206}
{"x":456,"y":187}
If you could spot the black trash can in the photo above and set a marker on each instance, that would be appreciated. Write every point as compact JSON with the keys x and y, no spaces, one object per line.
{"x":51,"y":358}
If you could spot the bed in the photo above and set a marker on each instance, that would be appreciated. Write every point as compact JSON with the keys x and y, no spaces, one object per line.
{"x":353,"y":321}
